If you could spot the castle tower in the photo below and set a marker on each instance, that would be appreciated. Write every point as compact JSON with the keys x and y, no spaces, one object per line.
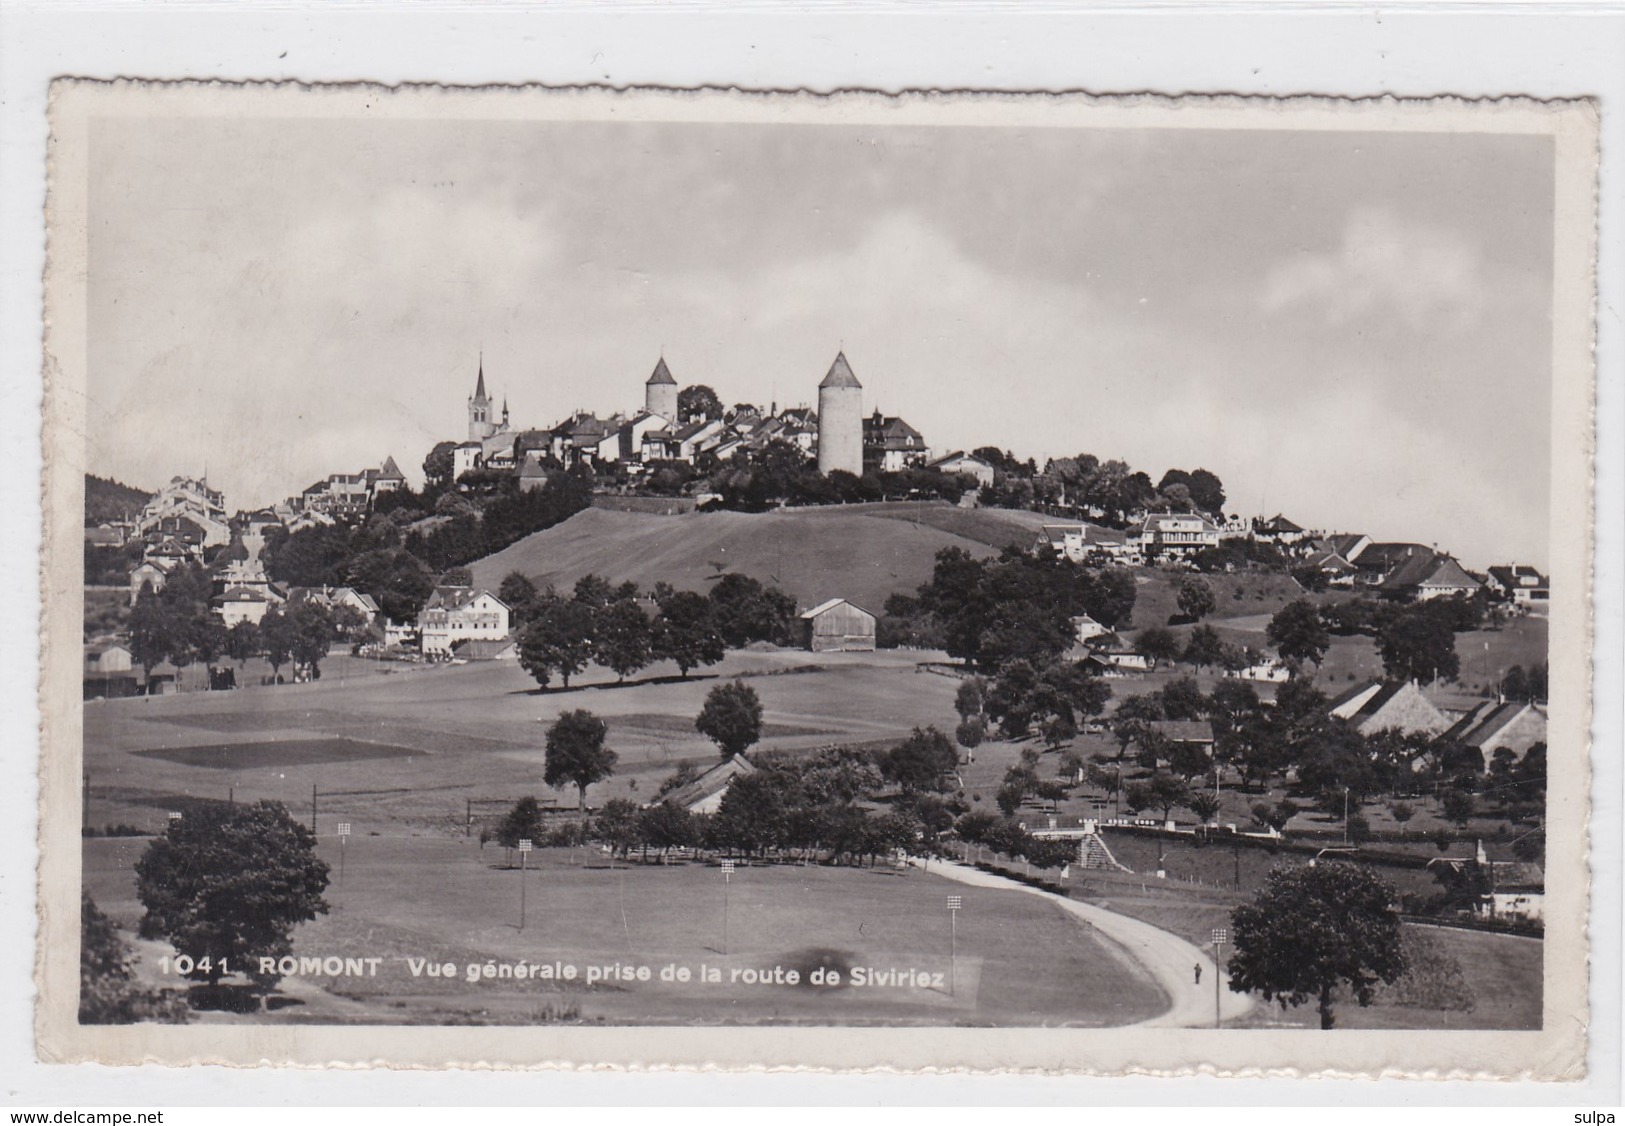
{"x":660,"y":393}
{"x":840,"y":419}
{"x":480,"y":423}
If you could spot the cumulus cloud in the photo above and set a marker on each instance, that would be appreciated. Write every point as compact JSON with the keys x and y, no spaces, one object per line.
{"x":1425,"y":276}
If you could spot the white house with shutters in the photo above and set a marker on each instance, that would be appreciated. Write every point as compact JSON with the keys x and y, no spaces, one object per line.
{"x":460,"y":613}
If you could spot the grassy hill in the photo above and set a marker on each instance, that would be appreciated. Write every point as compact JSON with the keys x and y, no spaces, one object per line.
{"x":861,"y":552}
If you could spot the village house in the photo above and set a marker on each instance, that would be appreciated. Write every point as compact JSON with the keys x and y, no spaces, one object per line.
{"x":1389,"y":706}
{"x":1085,"y":628}
{"x":150,"y":575}
{"x":1514,"y":726}
{"x":1088,"y":543}
{"x":1512,"y":890}
{"x":1411,"y":572}
{"x":1522,"y":586}
{"x":705,"y":793}
{"x":243,"y":604}
{"x":456,"y":613}
{"x":967,"y":464}
{"x":1176,"y":535}
{"x":190,"y":498}
{"x":838,"y":626}
{"x":892,"y":445}
{"x":1279,"y":530}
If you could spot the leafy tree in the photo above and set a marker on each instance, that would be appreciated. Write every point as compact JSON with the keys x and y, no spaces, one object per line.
{"x":522,"y":823}
{"x":752,"y":815}
{"x":1515,"y":684}
{"x":1297,"y":633}
{"x":243,"y":642}
{"x":969,"y":733}
{"x":1418,"y":645}
{"x":618,"y":826}
{"x":1459,"y":806}
{"x":1312,"y":930}
{"x":559,"y":639}
{"x":1196,"y":597}
{"x":576,"y":754}
{"x":152,"y":634}
{"x":685,"y":632}
{"x":1166,"y":792}
{"x":227,"y":883}
{"x":313,"y":633}
{"x":624,"y":638}
{"x":1157,"y":644}
{"x":666,"y":826}
{"x":697,"y":401}
{"x":731,"y":718}
{"x":395,"y":578}
{"x":107,"y":993}
{"x":968,"y":697}
{"x":745,"y":610}
{"x":520,"y":596}
{"x":1203,"y":648}
{"x":279,"y":636}
{"x":921,"y":761}
{"x":1204,"y":805}
{"x":1401,"y":812}
{"x":438,"y":465}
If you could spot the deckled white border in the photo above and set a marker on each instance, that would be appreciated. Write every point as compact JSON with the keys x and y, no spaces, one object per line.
{"x":1555,"y":1052}
{"x":1349,"y":51}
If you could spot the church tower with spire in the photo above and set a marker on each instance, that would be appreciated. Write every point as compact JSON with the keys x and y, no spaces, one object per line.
{"x":840,"y":419}
{"x":660,"y":393}
{"x":480,"y":423}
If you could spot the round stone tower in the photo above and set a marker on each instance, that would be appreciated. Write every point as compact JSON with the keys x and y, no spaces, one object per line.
{"x":660,"y":393}
{"x":840,"y":419}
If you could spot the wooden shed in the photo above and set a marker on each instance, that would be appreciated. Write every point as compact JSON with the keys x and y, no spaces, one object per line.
{"x":838,"y":626}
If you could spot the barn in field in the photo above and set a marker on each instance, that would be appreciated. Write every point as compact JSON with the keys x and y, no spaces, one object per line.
{"x":838,"y":626}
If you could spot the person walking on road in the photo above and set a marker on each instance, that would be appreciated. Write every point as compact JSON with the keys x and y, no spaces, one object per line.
{"x":1198,"y":973}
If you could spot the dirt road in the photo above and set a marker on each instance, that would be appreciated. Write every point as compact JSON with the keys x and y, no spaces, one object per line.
{"x":1167,"y":957}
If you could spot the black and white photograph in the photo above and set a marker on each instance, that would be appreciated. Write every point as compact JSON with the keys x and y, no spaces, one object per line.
{"x":755,"y":570}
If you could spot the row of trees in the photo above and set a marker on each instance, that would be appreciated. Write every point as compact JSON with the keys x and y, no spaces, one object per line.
{"x":600,"y":623}
{"x":177,"y":625}
{"x":1014,"y":606}
{"x":782,"y":472}
{"x":1416,"y":641}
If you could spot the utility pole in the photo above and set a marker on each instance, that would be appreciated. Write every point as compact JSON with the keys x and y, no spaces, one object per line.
{"x":954,"y":904}
{"x":313,"y":807}
{"x":1220,"y":937}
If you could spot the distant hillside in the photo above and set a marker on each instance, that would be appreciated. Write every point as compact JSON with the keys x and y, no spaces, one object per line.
{"x":861,"y":552}
{"x":106,"y":499}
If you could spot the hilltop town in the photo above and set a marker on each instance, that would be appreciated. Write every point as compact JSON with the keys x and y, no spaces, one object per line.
{"x":1026,"y":667}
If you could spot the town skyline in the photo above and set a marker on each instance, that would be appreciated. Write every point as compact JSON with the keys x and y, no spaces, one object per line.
{"x":1331,"y":323}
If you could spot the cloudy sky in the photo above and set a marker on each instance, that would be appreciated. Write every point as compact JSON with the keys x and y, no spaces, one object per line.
{"x":1353,"y":329}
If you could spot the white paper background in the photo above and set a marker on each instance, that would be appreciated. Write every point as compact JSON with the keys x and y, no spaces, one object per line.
{"x":1548,"y":50}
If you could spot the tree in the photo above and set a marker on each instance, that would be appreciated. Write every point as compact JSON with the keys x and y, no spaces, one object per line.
{"x":1401,"y":812}
{"x":438,"y":465}
{"x":576,"y":754}
{"x":520,"y":596}
{"x":278,"y":635}
{"x":559,"y":639}
{"x":1418,"y":645}
{"x":685,"y":632}
{"x":618,"y":826}
{"x":1204,"y":805}
{"x":227,"y":883}
{"x":666,"y":826}
{"x":313,"y":633}
{"x":243,"y":642}
{"x":152,"y":634}
{"x":1156,"y":644}
{"x":1297,"y":632}
{"x":1196,"y":598}
{"x":523,"y":823}
{"x":107,"y":994}
{"x":697,"y":401}
{"x":1204,"y":647}
{"x":1312,"y":930}
{"x":1458,"y":806}
{"x":921,"y":761}
{"x":744,"y":610}
{"x":968,"y":697}
{"x":731,"y":718}
{"x":395,"y":579}
{"x":624,"y":638}
{"x":969,"y":733}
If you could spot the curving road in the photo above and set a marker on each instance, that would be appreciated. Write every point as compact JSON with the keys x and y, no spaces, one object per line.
{"x":1167,"y":957}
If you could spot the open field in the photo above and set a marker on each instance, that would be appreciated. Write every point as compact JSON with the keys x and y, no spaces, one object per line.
{"x":861,"y":552}
{"x":1019,"y":959}
{"x":402,"y":749}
